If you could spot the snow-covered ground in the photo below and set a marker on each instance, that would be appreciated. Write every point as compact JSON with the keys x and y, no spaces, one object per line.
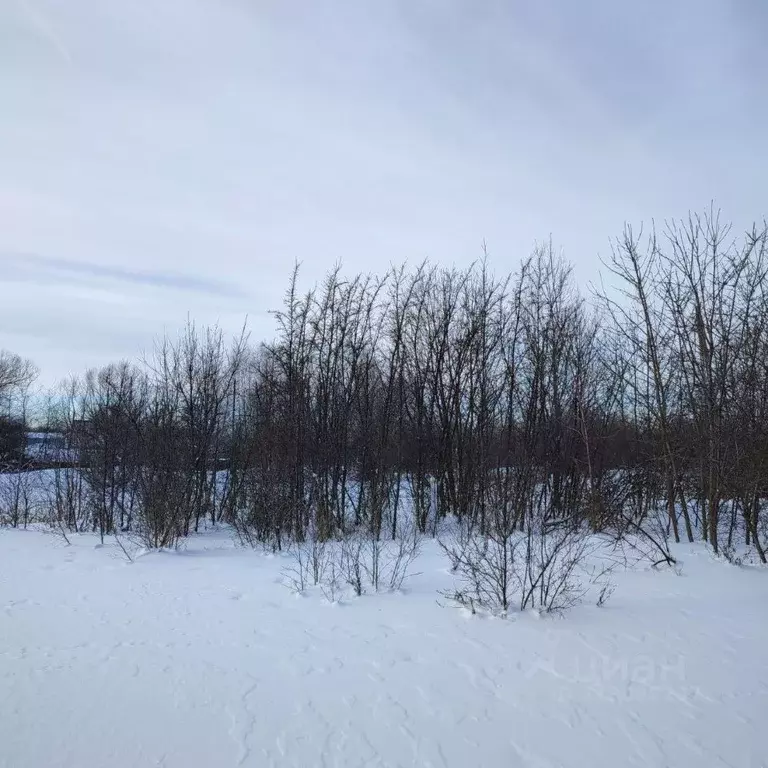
{"x":204,"y":658}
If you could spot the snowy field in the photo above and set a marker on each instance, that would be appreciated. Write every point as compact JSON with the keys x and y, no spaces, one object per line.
{"x":204,"y":658}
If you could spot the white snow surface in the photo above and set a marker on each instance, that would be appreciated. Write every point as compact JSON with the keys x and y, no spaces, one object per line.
{"x":203,"y":657}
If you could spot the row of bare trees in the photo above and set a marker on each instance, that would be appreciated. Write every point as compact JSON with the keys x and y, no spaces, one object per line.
{"x":148,"y":445}
{"x":421,"y":394}
{"x":510,"y":403}
{"x":693,"y":318}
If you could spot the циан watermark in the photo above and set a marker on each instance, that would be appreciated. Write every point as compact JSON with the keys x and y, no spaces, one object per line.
{"x":629,"y":675}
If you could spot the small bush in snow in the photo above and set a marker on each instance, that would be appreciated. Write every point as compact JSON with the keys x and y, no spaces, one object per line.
{"x":360,"y":561}
{"x":485,"y":568}
{"x":310,"y":559}
{"x":332,"y":585}
{"x":542,"y":568}
{"x":352,"y":562}
{"x":403,"y":553}
{"x":643,"y":537}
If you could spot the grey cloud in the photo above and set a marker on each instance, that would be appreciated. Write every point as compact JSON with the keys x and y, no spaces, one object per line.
{"x":34,"y":268}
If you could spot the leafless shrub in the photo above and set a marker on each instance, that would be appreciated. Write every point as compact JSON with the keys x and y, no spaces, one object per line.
{"x":544,"y":567}
{"x":310,"y":561}
{"x":66,"y":498}
{"x":120,"y":543}
{"x":645,"y":538}
{"x":404,"y":552}
{"x":485,"y":568}
{"x":332,"y":584}
{"x":16,"y":499}
{"x":319,"y":556}
{"x":454,"y":543}
{"x":374,"y":560}
{"x":352,"y":562}
{"x":390,"y":563}
{"x":56,"y":528}
{"x":551,"y":568}
{"x":297,"y":572}
{"x":732,"y":555}
{"x":605,"y":594}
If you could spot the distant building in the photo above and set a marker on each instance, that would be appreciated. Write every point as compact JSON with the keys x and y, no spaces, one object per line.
{"x":46,"y":446}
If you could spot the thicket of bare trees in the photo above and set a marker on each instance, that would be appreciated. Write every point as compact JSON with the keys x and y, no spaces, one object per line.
{"x":693,"y":325}
{"x":149,"y":446}
{"x":509,"y":404}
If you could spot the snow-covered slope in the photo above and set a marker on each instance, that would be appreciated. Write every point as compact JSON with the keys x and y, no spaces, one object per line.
{"x":203,"y":658}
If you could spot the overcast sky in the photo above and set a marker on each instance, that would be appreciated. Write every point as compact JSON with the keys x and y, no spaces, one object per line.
{"x":171,"y":158}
